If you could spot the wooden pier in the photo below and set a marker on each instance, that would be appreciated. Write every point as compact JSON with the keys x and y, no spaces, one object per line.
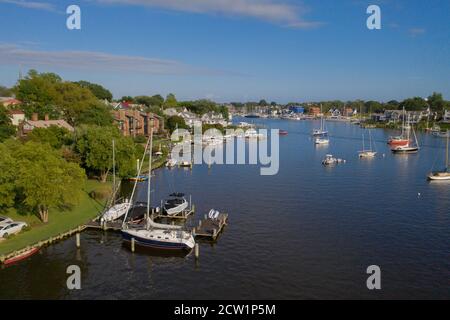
{"x":107,"y":226}
{"x":210,"y":228}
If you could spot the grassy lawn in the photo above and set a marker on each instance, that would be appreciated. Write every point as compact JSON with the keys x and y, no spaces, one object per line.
{"x":59,"y":221}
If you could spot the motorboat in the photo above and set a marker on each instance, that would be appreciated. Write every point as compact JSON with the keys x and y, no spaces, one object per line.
{"x":331,"y":160}
{"x":175,"y":204}
{"x":323,"y":140}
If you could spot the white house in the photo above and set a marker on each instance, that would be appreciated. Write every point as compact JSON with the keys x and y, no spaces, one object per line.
{"x":446,"y":118}
{"x":16,"y":116}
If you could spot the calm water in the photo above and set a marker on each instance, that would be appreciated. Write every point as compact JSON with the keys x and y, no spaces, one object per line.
{"x":308,"y":232}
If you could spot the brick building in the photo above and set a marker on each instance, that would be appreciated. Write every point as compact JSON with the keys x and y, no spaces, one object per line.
{"x":137,"y":123}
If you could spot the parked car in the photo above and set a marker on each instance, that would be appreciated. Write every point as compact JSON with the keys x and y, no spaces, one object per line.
{"x":4,"y":220}
{"x":11,"y":228}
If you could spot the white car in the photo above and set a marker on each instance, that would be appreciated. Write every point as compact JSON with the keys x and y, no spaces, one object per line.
{"x":4,"y":220}
{"x":11,"y":228}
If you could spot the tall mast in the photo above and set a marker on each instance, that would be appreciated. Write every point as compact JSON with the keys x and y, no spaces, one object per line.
{"x":149,"y":173}
{"x":446,"y":159}
{"x":114,"y":168}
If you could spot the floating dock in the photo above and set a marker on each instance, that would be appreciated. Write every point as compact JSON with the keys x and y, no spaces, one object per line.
{"x":211,"y":228}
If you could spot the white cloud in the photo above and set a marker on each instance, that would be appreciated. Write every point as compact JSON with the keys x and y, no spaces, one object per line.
{"x":91,"y":60}
{"x":267,"y":10}
{"x":414,"y":32}
{"x":31,"y":4}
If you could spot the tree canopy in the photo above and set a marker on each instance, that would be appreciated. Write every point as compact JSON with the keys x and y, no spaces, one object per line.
{"x":6,"y":127}
{"x":45,"y":180}
{"x":94,"y":144}
{"x":171,"y":101}
{"x":97,"y":90}
{"x":175,"y":122}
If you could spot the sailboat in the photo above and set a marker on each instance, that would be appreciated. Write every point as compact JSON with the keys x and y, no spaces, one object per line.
{"x":120,"y":209}
{"x":370,"y":153}
{"x":444,"y":174}
{"x":409,"y":147}
{"x":156,"y":235}
{"x":321,"y":131}
{"x":400,"y":140}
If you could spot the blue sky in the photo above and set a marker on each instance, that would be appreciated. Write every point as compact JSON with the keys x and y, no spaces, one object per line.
{"x":234,"y":50}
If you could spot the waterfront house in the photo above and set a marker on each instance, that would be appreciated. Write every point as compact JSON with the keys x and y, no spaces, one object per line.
{"x":214,"y":118}
{"x":446,"y":117}
{"x":171,"y":112}
{"x":315,"y":111}
{"x":16,"y":116}
{"x":297,"y":109}
{"x":137,"y":123}
{"x":9,"y":102}
{"x":27,"y":126}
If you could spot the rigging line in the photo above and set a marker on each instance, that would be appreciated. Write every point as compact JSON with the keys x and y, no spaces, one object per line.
{"x":135,"y":184}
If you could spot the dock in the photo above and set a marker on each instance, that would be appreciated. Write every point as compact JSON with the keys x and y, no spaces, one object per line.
{"x":183,"y":215}
{"x":211,"y":228}
{"x":106,"y":226}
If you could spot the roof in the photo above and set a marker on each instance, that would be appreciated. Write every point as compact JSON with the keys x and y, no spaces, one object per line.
{"x":48,"y":123}
{"x":16,"y":112}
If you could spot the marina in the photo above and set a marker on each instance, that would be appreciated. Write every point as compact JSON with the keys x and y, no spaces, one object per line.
{"x":340,"y":222}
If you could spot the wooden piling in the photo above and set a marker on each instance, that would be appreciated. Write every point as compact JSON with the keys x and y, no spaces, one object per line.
{"x":78,"y":240}
{"x":132,"y":244}
{"x":196,"y":251}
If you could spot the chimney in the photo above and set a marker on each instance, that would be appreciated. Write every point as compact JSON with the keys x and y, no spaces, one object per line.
{"x":34,"y":117}
{"x":46,"y":118}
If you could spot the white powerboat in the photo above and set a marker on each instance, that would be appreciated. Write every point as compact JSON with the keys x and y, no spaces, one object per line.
{"x":175,"y":204}
{"x":323,"y":140}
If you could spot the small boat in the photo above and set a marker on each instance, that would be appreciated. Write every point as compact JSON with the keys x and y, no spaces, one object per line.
{"x":252,"y":116}
{"x":175,"y":204}
{"x":397,"y":141}
{"x":24,"y":255}
{"x":444,"y":174}
{"x":323,"y":140}
{"x":330,"y":160}
{"x":409,"y":147}
{"x":116,"y":211}
{"x":321,"y":131}
{"x":367,"y":153}
{"x":140,"y":178}
{"x":185,"y":164}
{"x":171,"y":163}
{"x":283,"y":133}
{"x":400,"y":140}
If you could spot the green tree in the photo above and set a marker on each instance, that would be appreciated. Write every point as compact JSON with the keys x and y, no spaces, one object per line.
{"x":171,"y":101}
{"x":175,"y":122}
{"x":54,"y":136}
{"x":45,"y":180}
{"x":97,"y":90}
{"x":94,"y":145}
{"x":127,"y":99}
{"x":437,"y":102}
{"x":5,"y":92}
{"x":38,"y":93}
{"x":74,"y":101}
{"x":8,"y":175}
{"x":262,"y":103}
{"x":95,"y":114}
{"x":6,"y":127}
{"x":414,"y":104}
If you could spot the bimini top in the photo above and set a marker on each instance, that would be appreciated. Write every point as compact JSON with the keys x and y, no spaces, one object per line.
{"x":177,"y":195}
